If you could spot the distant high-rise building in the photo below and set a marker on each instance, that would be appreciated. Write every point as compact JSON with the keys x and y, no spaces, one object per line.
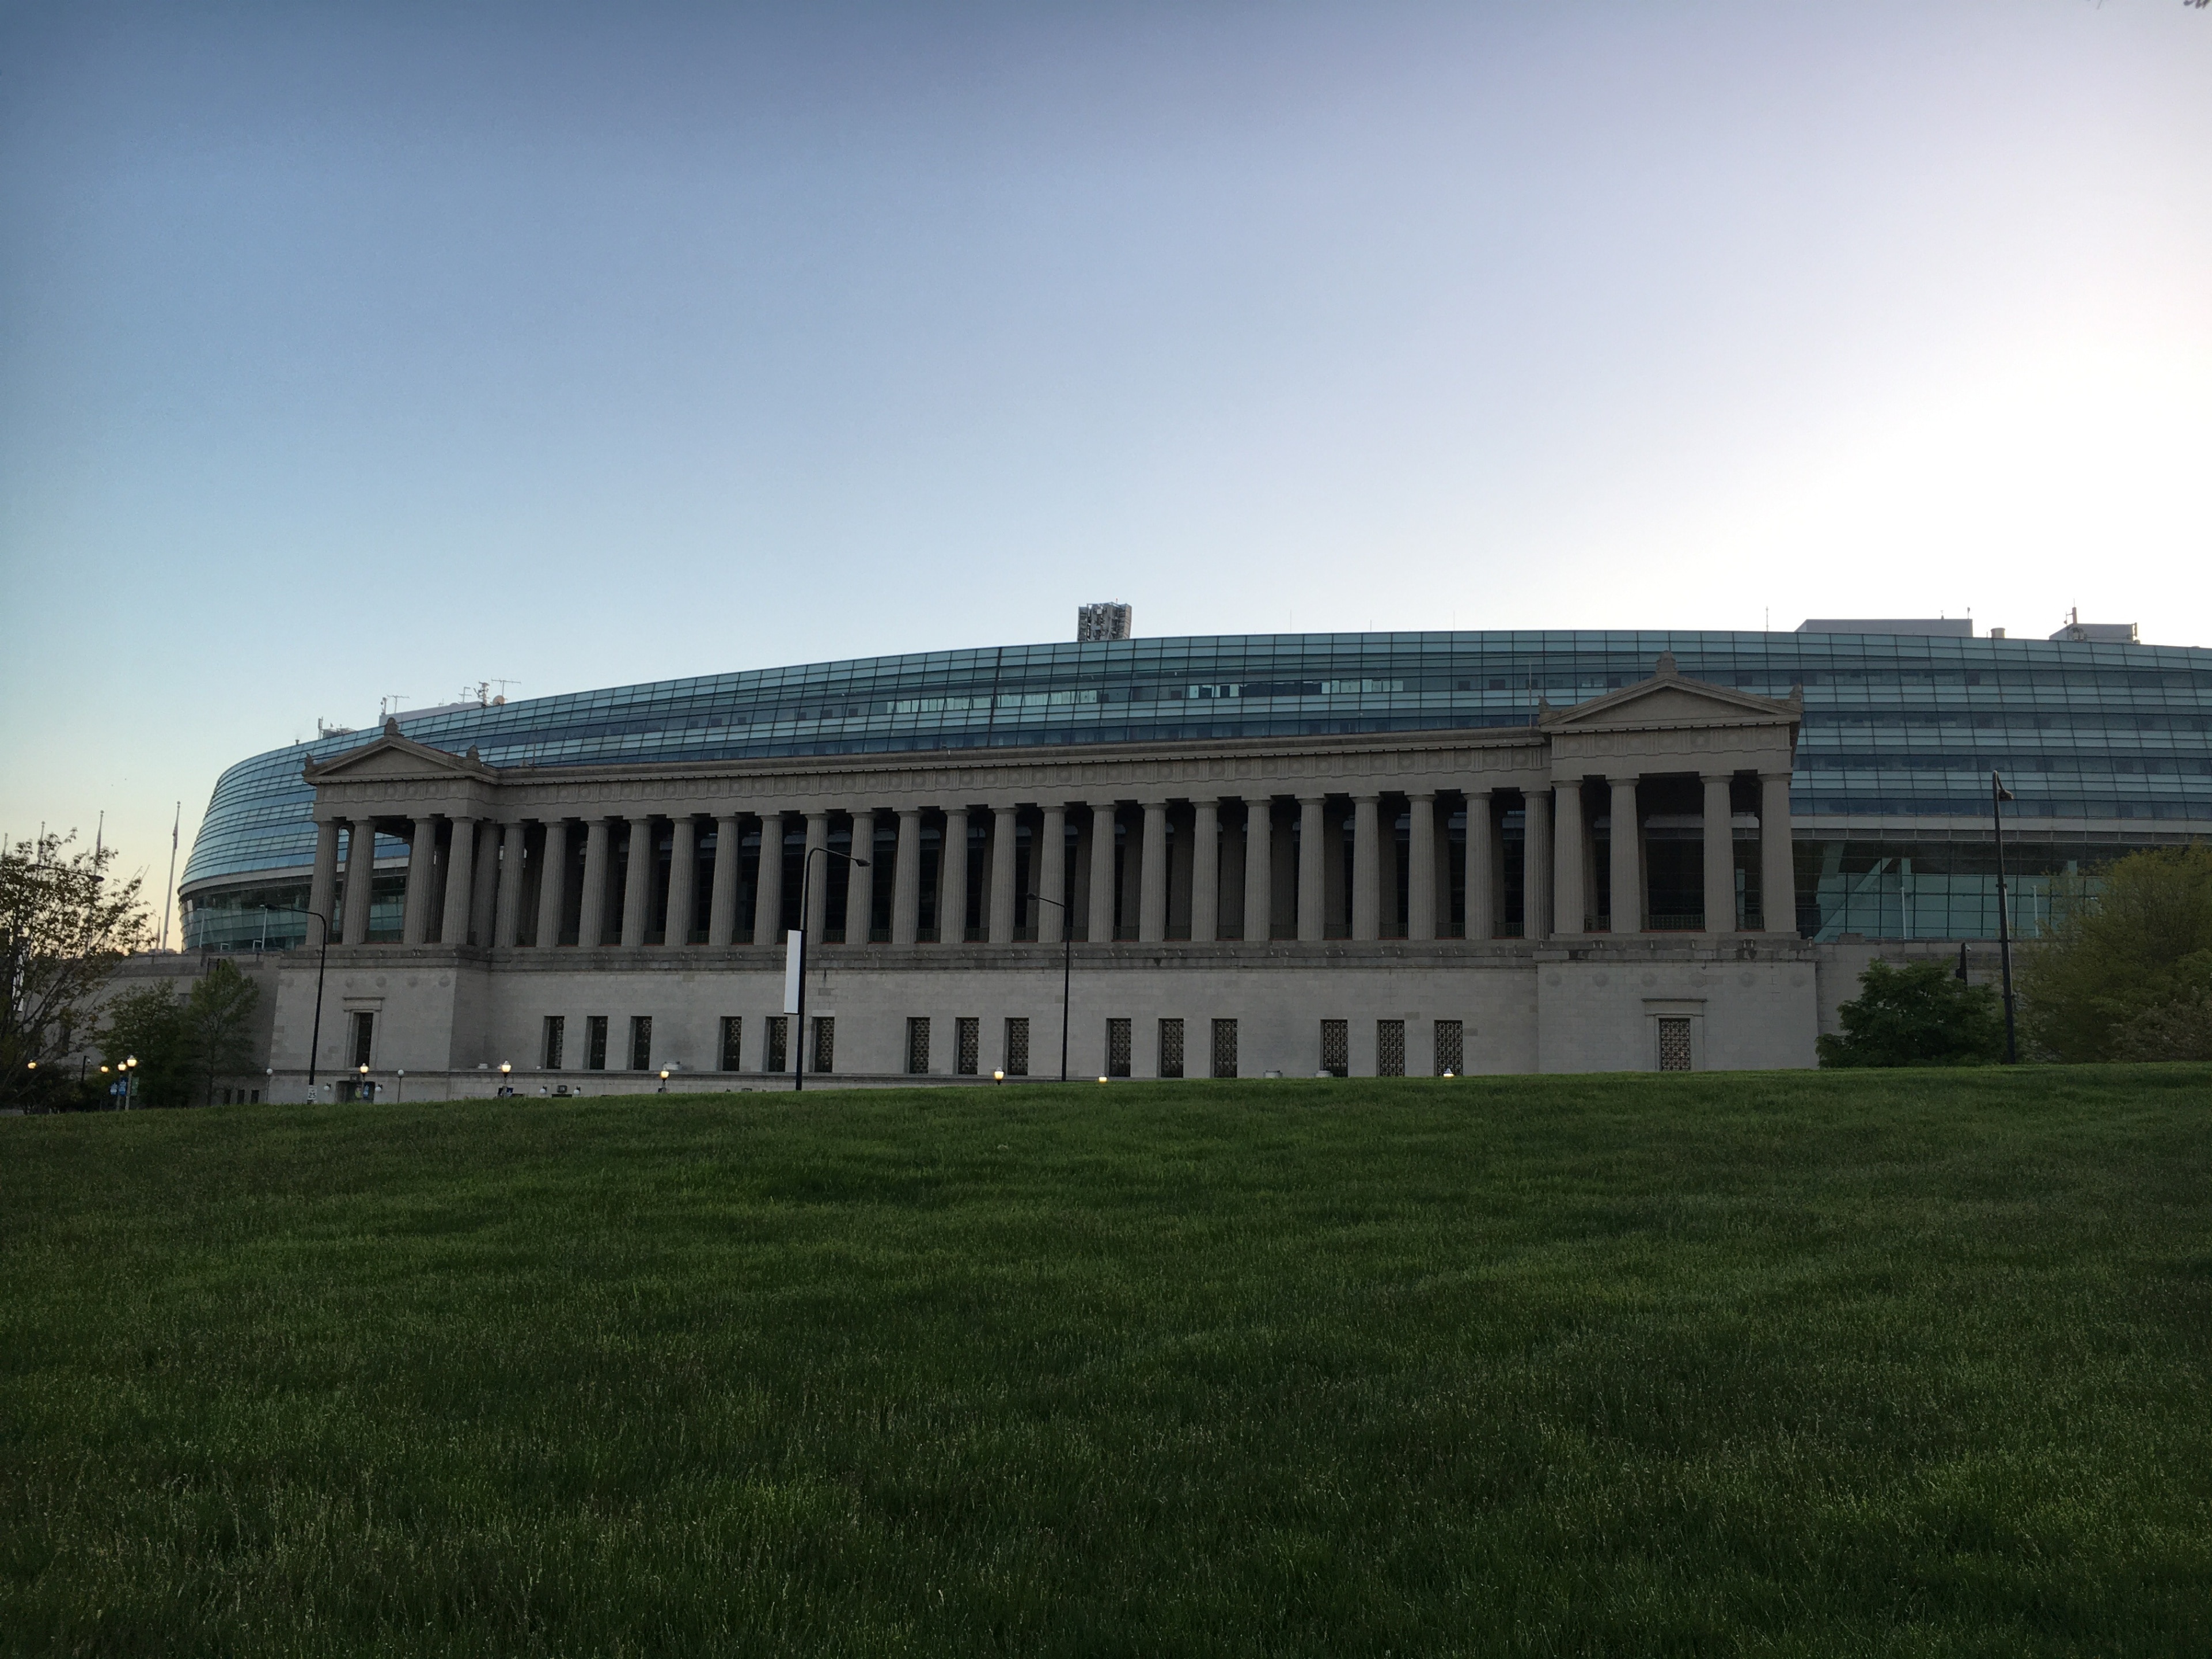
{"x":1106,"y":621}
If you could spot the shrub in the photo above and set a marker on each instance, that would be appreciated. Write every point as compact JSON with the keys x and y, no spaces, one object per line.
{"x":1922,"y":1014}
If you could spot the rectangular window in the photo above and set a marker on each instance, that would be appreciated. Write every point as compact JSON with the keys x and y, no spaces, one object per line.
{"x":1017,"y":1046}
{"x":734,"y":1043}
{"x":1389,"y":1047}
{"x":1170,"y":1047}
{"x":1117,"y":1048}
{"x":778,"y":1057}
{"x":640,"y":1043}
{"x":595,"y":1043}
{"x":825,"y":1044}
{"x":1674,"y":1045}
{"x":1336,"y":1048}
{"x":1225,"y":1048}
{"x":968,"y":1043}
{"x":917,"y":1047}
{"x":556,"y":1031}
{"x":363,"y":1039}
{"x":1451,"y":1057}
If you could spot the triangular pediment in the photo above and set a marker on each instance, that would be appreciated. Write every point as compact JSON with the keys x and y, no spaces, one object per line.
{"x":391,"y":757}
{"x":1668,"y":699}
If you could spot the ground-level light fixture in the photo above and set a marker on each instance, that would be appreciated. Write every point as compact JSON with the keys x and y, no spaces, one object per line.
{"x":1102,"y":1079}
{"x":998,"y":1076}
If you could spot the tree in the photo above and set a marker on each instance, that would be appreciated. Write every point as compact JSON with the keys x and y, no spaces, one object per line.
{"x":1922,"y":1014}
{"x":65,"y":925}
{"x":2131,"y":947}
{"x":184,"y":1045}
{"x":218,"y":1019}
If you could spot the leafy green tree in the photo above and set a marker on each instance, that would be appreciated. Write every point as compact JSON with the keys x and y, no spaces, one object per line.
{"x":184,"y":1045}
{"x":147,"y":1025}
{"x":1921,"y":1014}
{"x":2132,"y":950}
{"x":218,"y":1019}
{"x":64,"y":924}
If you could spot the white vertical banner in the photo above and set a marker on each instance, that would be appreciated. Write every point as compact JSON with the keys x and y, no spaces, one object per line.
{"x":792,"y":946}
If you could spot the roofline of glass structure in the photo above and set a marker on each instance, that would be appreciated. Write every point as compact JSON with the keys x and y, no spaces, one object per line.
{"x":1900,"y":730}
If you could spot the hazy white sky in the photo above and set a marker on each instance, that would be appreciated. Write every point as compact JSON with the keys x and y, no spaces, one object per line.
{"x":347,"y":351}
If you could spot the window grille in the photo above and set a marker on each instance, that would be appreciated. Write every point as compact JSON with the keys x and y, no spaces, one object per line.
{"x":917,"y":1046}
{"x":1225,"y":1048}
{"x":595,"y":1043}
{"x":1674,"y":1045}
{"x":1017,"y":1046}
{"x":640,"y":1043}
{"x":1117,"y":1048}
{"x":1170,"y":1047}
{"x":1336,"y":1048}
{"x":1451,"y":1048}
{"x":364,"y":1038}
{"x":778,"y":1058}
{"x":1389,"y":1047}
{"x":968,"y":1046}
{"x":734,"y":1043}
{"x":825,"y":1044}
{"x":556,"y":1035}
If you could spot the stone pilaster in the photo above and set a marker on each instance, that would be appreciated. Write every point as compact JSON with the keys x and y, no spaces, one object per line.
{"x":592,"y":910}
{"x":1626,"y":857}
{"x":768,"y":885}
{"x":1777,"y":876}
{"x":1051,"y":873}
{"x":861,"y":878}
{"x":1205,"y":872}
{"x":1259,"y":868}
{"x":637,"y":884}
{"x":952,"y":879}
{"x":509,"y":921}
{"x":906,"y":878}
{"x":323,"y":886}
{"x":1366,"y":867}
{"x":553,"y":885}
{"x":1152,"y":881}
{"x":1481,"y":873}
{"x":1536,"y":864}
{"x":1569,"y":904}
{"x":1100,"y":929}
{"x":814,"y":878}
{"x":1719,"y":855}
{"x":1313,"y":884}
{"x":360,"y":872}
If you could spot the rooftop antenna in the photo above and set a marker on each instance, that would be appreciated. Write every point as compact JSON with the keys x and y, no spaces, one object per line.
{"x":390,"y":705}
{"x":168,"y":891}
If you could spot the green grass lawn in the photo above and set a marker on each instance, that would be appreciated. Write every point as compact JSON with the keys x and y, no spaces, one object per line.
{"x":1906,"y":1363}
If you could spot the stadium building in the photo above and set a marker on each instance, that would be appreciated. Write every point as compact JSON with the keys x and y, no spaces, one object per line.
{"x":1358,"y":854}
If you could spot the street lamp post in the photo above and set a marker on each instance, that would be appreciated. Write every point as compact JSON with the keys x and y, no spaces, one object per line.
{"x":799,"y":1009}
{"x":1998,"y":795}
{"x":364,"y":1079}
{"x":322,"y":961}
{"x":1066,"y":973}
{"x":507,"y":1070}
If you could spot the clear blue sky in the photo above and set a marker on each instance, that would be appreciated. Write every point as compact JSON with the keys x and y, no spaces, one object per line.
{"x":346,"y":351}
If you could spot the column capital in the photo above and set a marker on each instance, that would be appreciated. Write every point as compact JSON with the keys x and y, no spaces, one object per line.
{"x":1616,"y":778}
{"x":1420,"y":794}
{"x":1717,"y":777}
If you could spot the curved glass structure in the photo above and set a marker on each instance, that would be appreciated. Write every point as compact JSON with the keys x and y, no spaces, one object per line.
{"x":2105,"y":745}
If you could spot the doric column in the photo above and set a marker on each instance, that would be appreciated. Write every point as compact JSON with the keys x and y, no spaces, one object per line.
{"x":861,"y":878}
{"x":1778,"y":878}
{"x":1536,"y":864}
{"x":683,"y":880}
{"x":1481,"y":868}
{"x":553,"y":884}
{"x":1366,"y":867}
{"x":460,"y":869}
{"x":637,"y":882}
{"x":1626,"y":859}
{"x":1205,"y":872}
{"x":507,"y":920}
{"x":1005,"y":901}
{"x":1259,"y":868}
{"x":1313,"y":886}
{"x":952,"y":879}
{"x":814,"y":878}
{"x":1568,"y":907}
{"x":768,"y":884}
{"x":360,"y":871}
{"x":906,"y":878}
{"x":422,"y":859}
{"x":1050,"y":873}
{"x":722,"y":897}
{"x":323,"y":885}
{"x":591,"y":911}
{"x":1421,"y":880}
{"x":1720,"y":855}
{"x":1152,"y":876}
{"x":483,"y":885}
{"x":1101,"y":928}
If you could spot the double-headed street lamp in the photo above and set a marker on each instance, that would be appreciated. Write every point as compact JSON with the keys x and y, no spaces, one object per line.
{"x":1066,"y":973}
{"x":322,"y":961}
{"x":795,"y":959}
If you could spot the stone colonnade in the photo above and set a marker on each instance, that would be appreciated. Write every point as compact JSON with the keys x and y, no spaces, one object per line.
{"x":1308,"y":866}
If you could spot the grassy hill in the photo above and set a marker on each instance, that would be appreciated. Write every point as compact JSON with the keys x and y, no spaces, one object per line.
{"x":1909,"y":1363}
